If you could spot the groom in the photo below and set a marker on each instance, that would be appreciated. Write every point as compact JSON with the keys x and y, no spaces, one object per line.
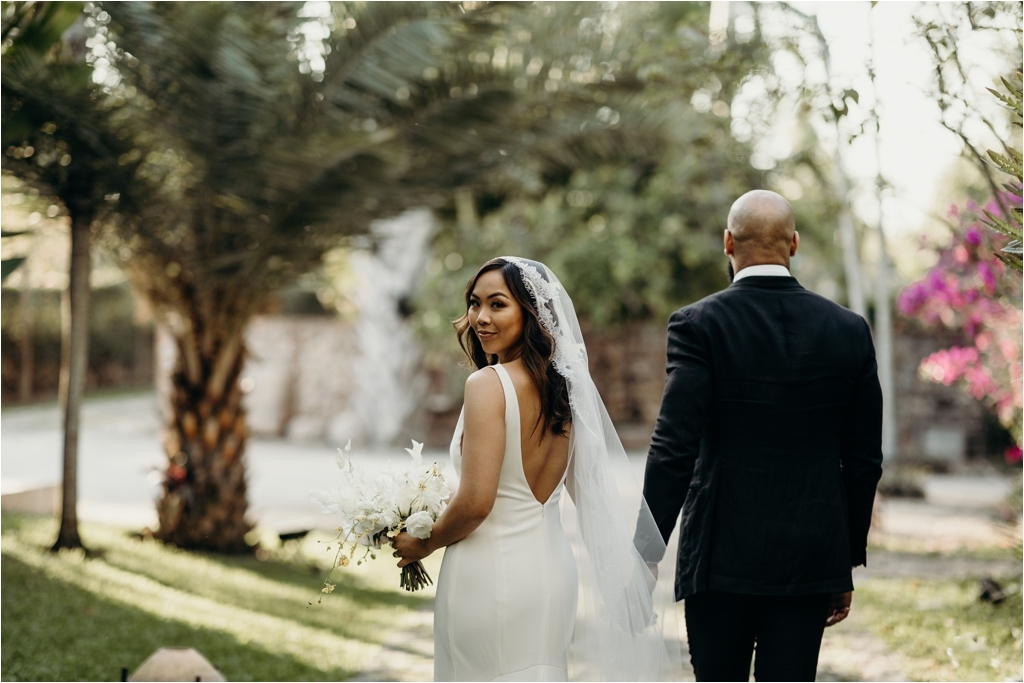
{"x":769,"y":441}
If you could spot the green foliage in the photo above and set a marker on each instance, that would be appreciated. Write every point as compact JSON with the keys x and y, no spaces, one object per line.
{"x":251,"y":162}
{"x":633,"y":231}
{"x":58,"y":134}
{"x":36,"y":27}
{"x":1011,"y":165}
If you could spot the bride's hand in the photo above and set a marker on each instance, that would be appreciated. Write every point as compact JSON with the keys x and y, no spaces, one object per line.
{"x":410,"y":548}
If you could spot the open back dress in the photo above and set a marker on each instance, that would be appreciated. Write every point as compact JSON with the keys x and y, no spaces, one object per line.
{"x":506,"y":594}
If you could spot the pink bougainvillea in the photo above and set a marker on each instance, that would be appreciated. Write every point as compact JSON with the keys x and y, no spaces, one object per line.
{"x":969,"y":290}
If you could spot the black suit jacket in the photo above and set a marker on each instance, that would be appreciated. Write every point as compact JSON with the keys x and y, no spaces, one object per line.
{"x":769,"y":440}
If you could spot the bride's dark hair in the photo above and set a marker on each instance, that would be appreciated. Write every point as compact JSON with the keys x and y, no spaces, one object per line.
{"x":536,"y":348}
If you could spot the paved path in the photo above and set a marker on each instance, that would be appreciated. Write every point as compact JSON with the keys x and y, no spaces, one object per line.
{"x":120,"y":459}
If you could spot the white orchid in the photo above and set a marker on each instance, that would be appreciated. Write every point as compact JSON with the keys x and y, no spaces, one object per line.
{"x":329,"y":501}
{"x":345,"y":457}
{"x":375,"y":508}
{"x":433,"y":494}
{"x":416,"y":452}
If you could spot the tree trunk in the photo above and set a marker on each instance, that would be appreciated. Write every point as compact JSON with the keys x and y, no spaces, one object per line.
{"x":26,"y":351}
{"x":74,"y":360}
{"x":883,"y":302}
{"x":884,"y":348}
{"x":848,"y":236}
{"x":204,"y":501}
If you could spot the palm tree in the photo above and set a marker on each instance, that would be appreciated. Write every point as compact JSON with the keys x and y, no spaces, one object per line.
{"x":56,"y":136}
{"x":264,"y":137}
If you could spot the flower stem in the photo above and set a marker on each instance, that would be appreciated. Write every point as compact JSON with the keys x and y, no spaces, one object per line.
{"x":415,"y":577}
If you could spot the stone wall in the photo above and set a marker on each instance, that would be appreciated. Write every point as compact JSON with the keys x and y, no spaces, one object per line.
{"x":937,"y":424}
{"x":302,"y":382}
{"x":315,"y":377}
{"x":628,"y":367}
{"x":307,"y":361}
{"x":299,"y":379}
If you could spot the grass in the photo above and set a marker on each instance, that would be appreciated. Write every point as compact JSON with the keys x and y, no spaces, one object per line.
{"x":942,"y":631}
{"x":71,"y":617}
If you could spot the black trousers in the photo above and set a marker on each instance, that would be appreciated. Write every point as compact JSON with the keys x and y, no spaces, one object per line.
{"x":723,"y":629}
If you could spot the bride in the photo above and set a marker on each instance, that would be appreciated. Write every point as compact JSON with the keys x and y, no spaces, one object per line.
{"x":533,"y":425}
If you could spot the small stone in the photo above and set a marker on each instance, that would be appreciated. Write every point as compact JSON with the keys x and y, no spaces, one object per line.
{"x":176,"y":664}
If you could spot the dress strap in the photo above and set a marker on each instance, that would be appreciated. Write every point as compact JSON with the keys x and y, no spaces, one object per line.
{"x":511,"y":399}
{"x":512,"y":426}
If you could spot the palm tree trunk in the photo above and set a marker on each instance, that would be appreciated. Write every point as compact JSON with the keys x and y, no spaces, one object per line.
{"x":204,"y":501}
{"x":74,"y":360}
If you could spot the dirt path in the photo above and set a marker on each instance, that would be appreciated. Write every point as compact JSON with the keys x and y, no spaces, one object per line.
{"x":408,"y":653}
{"x":848,"y":653}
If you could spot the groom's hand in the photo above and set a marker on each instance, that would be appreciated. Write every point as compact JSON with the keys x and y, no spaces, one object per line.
{"x":839,"y":609}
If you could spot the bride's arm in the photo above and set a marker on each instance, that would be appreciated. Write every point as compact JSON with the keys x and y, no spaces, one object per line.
{"x":483,"y":450}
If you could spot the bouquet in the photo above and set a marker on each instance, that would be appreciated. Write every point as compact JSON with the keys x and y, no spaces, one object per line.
{"x":376,"y":509}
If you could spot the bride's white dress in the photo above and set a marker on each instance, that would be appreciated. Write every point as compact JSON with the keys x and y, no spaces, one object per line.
{"x":506,"y":594}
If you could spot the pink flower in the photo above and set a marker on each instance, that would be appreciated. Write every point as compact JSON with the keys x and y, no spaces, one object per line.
{"x":973,"y":235}
{"x":987,"y":276}
{"x":912,"y":298}
{"x":967,"y":292}
{"x":1013,"y":454}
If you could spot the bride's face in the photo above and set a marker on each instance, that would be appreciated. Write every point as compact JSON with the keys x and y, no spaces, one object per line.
{"x":495,"y":315}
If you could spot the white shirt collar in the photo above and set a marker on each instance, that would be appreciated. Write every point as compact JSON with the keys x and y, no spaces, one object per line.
{"x":763,"y":269}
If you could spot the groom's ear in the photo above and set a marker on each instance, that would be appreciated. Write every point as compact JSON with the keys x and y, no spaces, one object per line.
{"x":730,"y":245}
{"x":796,"y":243}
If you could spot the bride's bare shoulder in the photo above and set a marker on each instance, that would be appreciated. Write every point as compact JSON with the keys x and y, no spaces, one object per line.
{"x":484,"y":392}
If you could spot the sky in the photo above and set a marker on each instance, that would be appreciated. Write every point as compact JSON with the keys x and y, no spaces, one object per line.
{"x":916,"y":150}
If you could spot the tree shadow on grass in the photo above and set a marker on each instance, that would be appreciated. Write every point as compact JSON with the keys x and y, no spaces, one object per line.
{"x":358,"y":609}
{"x":55,"y":631}
{"x":304,"y":576}
{"x":276,"y":587}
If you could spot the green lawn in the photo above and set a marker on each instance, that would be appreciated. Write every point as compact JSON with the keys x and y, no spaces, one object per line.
{"x":68,"y":617}
{"x":942,"y":631}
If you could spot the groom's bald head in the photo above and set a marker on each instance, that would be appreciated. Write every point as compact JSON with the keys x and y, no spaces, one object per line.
{"x":762,"y":229}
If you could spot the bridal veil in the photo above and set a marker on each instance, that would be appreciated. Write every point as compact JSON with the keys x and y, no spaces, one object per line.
{"x":625,"y":628}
